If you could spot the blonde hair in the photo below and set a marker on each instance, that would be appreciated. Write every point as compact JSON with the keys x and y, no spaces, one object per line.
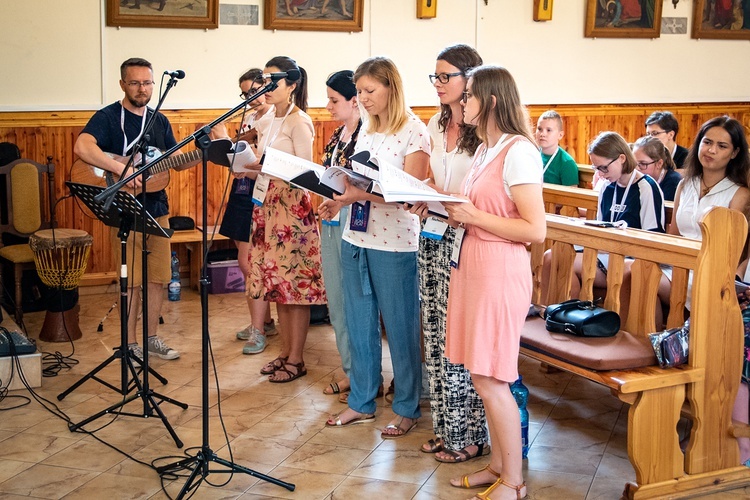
{"x":610,"y":145}
{"x":509,"y":114}
{"x":384,"y":71}
{"x":551,"y":114}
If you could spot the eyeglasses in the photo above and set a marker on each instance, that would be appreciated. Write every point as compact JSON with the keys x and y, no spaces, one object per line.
{"x":466,"y":96}
{"x":245,"y":95}
{"x":656,"y":133}
{"x":604,"y":168}
{"x":643,"y":164}
{"x":135,"y":85}
{"x":444,"y":77}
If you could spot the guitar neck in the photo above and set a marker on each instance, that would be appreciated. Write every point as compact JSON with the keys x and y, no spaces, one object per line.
{"x":176,"y":161}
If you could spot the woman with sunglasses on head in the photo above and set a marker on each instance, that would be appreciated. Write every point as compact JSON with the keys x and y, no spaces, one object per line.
{"x":490,"y":284}
{"x":379,"y":256}
{"x":457,"y":411}
{"x":238,"y":215}
{"x":285,"y":263}
{"x":653,"y":158}
{"x":343,"y":106}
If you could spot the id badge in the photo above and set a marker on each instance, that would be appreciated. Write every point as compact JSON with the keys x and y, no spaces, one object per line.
{"x":360,"y":216}
{"x":260,"y":189}
{"x":243,"y":186}
{"x":434,"y":229}
{"x":335,"y":220}
{"x":618,"y":208}
{"x":456,"y":250}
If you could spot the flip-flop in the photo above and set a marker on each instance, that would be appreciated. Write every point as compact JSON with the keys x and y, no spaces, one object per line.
{"x":458,"y":456}
{"x":401,"y":432}
{"x":361,"y":419}
{"x":432,"y":446}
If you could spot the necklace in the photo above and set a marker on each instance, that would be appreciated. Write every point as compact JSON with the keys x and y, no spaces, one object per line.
{"x":705,"y":189}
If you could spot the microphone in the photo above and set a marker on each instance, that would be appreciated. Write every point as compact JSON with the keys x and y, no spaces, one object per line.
{"x":178,"y":74}
{"x":292,"y":74}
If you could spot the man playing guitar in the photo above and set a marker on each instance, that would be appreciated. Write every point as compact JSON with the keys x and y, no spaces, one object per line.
{"x":115,"y":129}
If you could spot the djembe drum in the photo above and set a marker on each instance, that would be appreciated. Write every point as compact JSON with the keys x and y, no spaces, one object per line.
{"x":61,"y":256}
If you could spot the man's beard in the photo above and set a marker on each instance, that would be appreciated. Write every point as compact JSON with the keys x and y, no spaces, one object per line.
{"x":138,"y":103}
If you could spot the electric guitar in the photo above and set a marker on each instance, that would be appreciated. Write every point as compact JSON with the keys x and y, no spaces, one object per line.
{"x":85,"y":173}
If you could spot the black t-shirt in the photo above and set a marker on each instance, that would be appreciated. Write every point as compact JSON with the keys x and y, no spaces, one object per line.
{"x":106,"y":128}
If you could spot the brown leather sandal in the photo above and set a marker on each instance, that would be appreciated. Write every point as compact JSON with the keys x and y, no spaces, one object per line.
{"x":465,"y":479}
{"x":301,"y":371}
{"x":500,"y":482}
{"x":458,"y":456}
{"x":272,"y":366}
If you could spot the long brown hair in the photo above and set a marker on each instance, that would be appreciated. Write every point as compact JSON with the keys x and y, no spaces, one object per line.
{"x":509,"y":115}
{"x":738,"y":167}
{"x":465,"y":58}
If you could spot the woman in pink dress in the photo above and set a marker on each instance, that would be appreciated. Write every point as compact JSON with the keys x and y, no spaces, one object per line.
{"x":490,"y":285}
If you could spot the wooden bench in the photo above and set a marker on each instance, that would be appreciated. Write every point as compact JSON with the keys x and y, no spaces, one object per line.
{"x":192,"y":239}
{"x":709,"y":381}
{"x":588,"y":199}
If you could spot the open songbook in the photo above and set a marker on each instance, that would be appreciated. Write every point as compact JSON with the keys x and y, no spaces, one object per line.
{"x":369,"y":174}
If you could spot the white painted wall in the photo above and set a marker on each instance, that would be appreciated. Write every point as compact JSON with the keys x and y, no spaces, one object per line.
{"x":57,"y":55}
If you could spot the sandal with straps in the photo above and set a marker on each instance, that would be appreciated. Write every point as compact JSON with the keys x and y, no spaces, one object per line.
{"x":301,"y":371}
{"x":500,"y":482}
{"x":272,"y":366}
{"x":465,"y":479}
{"x":458,"y":456}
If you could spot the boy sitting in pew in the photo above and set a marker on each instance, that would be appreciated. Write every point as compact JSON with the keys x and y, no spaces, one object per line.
{"x":559,"y":167}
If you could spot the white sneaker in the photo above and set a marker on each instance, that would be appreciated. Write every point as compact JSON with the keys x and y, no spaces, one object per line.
{"x":157,"y":346}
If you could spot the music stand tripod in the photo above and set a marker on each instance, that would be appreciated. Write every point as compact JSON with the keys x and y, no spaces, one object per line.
{"x":203,"y":458}
{"x":121,"y":213}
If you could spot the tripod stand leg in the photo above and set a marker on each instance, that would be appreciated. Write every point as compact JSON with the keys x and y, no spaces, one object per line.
{"x":151,"y":402}
{"x":92,"y":375}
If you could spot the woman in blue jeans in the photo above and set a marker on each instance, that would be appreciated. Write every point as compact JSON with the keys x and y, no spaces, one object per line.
{"x":379,"y":256}
{"x":342,"y":104}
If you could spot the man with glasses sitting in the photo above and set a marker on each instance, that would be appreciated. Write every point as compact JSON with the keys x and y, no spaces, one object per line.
{"x":114,"y":131}
{"x":663,"y":125}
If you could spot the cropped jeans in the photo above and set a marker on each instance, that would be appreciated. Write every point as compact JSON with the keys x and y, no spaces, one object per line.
{"x":382,"y":283}
{"x":330,"y":252}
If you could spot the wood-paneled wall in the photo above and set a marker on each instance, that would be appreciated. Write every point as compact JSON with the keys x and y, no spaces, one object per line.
{"x":42,"y":134}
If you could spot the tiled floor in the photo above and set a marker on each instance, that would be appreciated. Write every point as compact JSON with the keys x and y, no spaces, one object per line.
{"x":578,"y":440}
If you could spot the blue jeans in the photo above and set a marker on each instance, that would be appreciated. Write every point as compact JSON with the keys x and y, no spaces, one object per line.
{"x":330,"y":252}
{"x":382,"y":283}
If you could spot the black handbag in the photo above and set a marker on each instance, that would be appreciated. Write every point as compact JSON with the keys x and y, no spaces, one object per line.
{"x":672,"y":346}
{"x":582,"y":319}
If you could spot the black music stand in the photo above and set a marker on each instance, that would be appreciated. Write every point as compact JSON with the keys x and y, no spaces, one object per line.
{"x":200,"y":463}
{"x":121,"y":213}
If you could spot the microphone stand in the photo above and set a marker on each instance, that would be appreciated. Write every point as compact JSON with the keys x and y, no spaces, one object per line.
{"x":200,"y":463}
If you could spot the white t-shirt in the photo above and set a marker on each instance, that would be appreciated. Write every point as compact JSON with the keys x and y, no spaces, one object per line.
{"x":389,"y":227}
{"x":452,"y":165}
{"x":523,"y":163}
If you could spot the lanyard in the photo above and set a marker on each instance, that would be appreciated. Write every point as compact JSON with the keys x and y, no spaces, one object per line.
{"x":448,"y":173}
{"x":481,"y":160}
{"x":624,"y":198}
{"x":125,"y":146}
{"x":551,"y":158}
{"x":270,"y":128}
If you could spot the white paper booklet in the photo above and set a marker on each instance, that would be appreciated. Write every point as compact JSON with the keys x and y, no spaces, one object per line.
{"x":241,"y":156}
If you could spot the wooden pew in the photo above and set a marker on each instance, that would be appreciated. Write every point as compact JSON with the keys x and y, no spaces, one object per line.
{"x":588,"y":199}
{"x":710,"y":379}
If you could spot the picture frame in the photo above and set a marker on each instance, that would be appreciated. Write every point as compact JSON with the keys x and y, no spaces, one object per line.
{"x":203,"y":14}
{"x":623,"y":19}
{"x":312,"y":15}
{"x":712,"y":20}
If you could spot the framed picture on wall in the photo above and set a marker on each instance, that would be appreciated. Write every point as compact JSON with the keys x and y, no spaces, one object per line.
{"x":623,"y":18}
{"x":725,"y":19}
{"x":201,"y":14}
{"x":313,"y":15}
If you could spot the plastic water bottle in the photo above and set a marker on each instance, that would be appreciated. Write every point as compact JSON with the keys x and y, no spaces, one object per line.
{"x":175,"y":287}
{"x":521,"y":394}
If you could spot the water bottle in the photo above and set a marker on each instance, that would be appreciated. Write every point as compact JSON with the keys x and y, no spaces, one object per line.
{"x":174,"y":288}
{"x":521,"y":394}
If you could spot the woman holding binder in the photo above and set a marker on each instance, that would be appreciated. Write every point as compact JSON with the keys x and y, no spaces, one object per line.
{"x":343,"y":106}
{"x":379,"y":256}
{"x":285,"y":264}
